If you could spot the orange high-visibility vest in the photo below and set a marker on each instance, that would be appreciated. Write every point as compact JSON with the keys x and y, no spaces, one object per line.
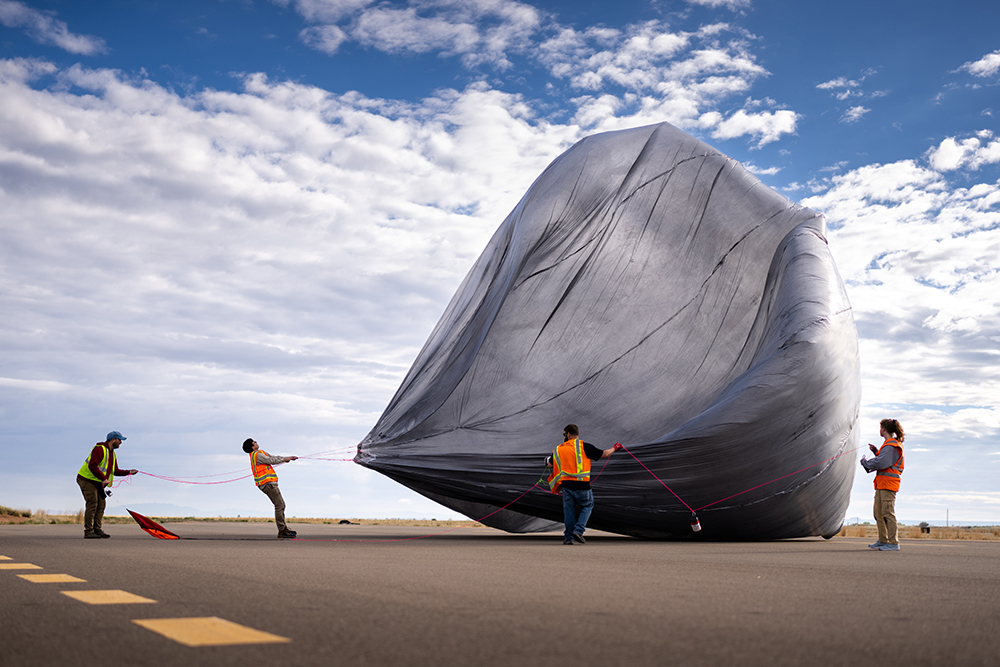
{"x":888,"y":478}
{"x":569,"y":462}
{"x":262,"y":473}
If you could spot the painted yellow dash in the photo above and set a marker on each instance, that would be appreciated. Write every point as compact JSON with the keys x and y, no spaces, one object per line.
{"x":107,"y":597}
{"x":18,"y":566}
{"x":51,"y":578}
{"x":6,"y":558}
{"x":208,"y":631}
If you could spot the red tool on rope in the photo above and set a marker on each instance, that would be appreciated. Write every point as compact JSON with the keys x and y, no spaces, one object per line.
{"x":151,"y":527}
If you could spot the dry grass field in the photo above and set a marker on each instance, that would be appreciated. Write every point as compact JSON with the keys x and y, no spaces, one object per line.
{"x":8,"y":515}
{"x":991,"y":533}
{"x":39,"y":517}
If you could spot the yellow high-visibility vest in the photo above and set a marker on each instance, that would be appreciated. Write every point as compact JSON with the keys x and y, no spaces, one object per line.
{"x":106,"y":466}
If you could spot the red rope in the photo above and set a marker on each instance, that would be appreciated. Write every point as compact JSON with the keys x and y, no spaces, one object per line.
{"x":320,"y":458}
{"x":776,"y":479}
{"x":187,"y":480}
{"x":780,"y":478}
{"x":179,"y":480}
{"x":657,"y":478}
{"x":604,"y":466}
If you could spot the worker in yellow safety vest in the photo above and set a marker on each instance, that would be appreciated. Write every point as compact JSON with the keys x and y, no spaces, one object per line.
{"x":94,"y":477}
{"x":570,"y":476}
{"x":887,"y":465}
{"x":267,"y":481}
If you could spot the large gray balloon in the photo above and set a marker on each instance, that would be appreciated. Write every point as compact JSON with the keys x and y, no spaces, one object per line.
{"x":651,"y":290}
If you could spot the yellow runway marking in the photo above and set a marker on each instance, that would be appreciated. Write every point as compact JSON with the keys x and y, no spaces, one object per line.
{"x":51,"y":578}
{"x":18,"y":566}
{"x":208,"y":631}
{"x":6,"y":558}
{"x":107,"y":597}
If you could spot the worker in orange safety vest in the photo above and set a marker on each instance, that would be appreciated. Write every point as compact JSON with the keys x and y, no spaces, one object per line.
{"x":267,"y":481}
{"x":570,"y":476}
{"x":888,"y":467}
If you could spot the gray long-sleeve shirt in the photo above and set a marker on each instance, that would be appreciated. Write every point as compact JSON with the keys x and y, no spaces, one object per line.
{"x":264,"y":458}
{"x":886,"y":459}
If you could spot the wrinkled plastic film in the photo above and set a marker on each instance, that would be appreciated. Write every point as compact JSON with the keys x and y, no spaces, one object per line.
{"x":652,"y":291}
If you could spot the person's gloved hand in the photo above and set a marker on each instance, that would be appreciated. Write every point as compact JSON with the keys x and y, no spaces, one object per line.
{"x":618,"y":447}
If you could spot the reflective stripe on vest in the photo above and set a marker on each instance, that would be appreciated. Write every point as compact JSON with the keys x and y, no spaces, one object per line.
{"x":888,"y":479}
{"x":569,"y":462}
{"x":263,"y":473}
{"x":106,"y":466}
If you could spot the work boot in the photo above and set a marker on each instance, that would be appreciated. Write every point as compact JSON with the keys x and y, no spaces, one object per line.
{"x":569,"y":541}
{"x":91,"y":535}
{"x":577,"y":537}
{"x":287,"y":534}
{"x":101,"y":533}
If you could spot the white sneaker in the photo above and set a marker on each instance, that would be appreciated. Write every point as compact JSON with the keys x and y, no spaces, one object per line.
{"x":889,"y":547}
{"x":877,"y":545}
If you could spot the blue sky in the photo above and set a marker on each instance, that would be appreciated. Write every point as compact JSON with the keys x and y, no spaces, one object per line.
{"x":242,"y":218}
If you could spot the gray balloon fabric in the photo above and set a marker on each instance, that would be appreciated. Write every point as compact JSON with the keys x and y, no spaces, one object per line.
{"x":651,"y":290}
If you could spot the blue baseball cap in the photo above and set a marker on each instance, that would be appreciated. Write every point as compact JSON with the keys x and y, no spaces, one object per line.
{"x":113,"y":435}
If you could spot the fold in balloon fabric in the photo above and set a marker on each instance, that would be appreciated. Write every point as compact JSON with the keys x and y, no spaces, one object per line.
{"x":652,"y":291}
{"x":151,"y":527}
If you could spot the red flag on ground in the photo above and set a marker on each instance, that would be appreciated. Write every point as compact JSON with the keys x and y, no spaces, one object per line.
{"x":151,"y":527}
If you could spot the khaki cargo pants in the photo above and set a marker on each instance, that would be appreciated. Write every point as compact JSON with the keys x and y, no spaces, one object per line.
{"x":271,"y":491}
{"x":885,"y":516}
{"x":93,"y":515}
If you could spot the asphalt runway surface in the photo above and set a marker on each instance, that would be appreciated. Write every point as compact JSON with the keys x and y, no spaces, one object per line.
{"x":385,"y":595}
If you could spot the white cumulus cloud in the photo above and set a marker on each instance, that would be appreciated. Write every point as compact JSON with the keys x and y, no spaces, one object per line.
{"x":971,"y":153}
{"x":767,"y":126}
{"x":728,"y":4}
{"x":854,"y":114}
{"x":639,"y":73}
{"x":477,"y":31}
{"x":918,"y":255}
{"x":44,"y":28}
{"x":237,"y":239}
{"x":988,"y":65}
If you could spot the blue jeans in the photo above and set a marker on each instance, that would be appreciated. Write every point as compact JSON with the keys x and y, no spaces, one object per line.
{"x":577,"y":506}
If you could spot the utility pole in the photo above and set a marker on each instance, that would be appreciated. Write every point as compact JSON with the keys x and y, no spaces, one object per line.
{"x":946,"y":518}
